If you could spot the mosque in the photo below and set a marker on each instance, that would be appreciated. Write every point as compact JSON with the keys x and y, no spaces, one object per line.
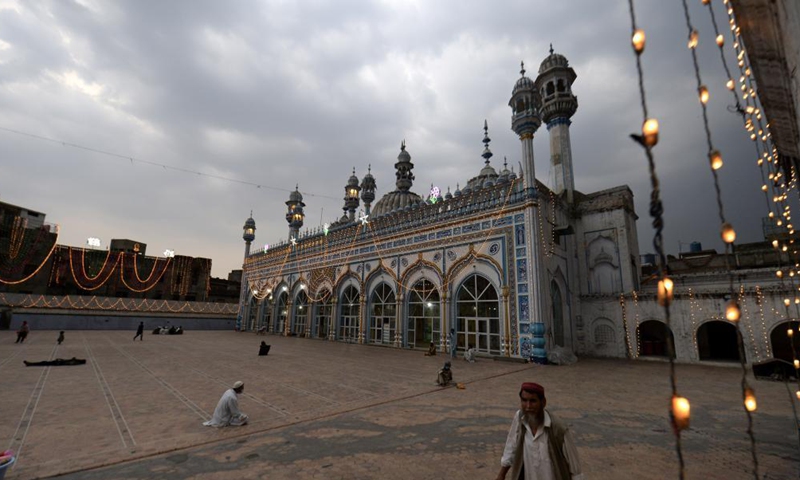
{"x":514,"y":267}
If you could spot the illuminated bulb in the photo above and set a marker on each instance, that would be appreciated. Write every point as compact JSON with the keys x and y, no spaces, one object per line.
{"x":650,"y":132}
{"x":681,"y":411}
{"x":665,"y":290}
{"x":720,"y":40}
{"x":693,"y":39}
{"x":779,"y":273}
{"x":732,"y":312}
{"x":764,"y":187}
{"x":703,"y":91}
{"x":730,"y":84}
{"x":728,"y":233}
{"x":716,"y":159}
{"x":797,"y":393}
{"x":789,"y":332}
{"x":779,"y":222}
{"x":787,"y":302}
{"x":749,"y":400}
{"x":796,"y":364}
{"x":638,"y":40}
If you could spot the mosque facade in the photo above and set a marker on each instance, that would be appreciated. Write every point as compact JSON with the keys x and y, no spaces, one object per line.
{"x":506,"y":262}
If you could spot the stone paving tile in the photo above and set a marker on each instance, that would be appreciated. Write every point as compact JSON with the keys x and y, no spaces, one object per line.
{"x":324,"y":410}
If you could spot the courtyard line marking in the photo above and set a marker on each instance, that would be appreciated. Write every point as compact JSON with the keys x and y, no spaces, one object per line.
{"x":174,"y":391}
{"x":111,"y":401}
{"x":27,"y":414}
{"x":285,"y":425}
{"x":8,"y":360}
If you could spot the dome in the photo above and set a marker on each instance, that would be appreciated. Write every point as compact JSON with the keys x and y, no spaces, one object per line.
{"x":553,"y":60}
{"x":523,"y":83}
{"x":396,"y":200}
{"x":488,"y":171}
{"x":353,"y":180}
{"x":448,"y":195}
{"x":250,"y":223}
{"x":295,"y":196}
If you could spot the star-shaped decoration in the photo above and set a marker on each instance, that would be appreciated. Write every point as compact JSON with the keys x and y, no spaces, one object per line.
{"x":326,"y":228}
{"x":294,"y":242}
{"x":363,"y":217}
{"x":169,"y":253}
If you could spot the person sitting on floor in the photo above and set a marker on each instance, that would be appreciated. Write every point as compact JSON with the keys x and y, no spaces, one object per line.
{"x":227,"y":411}
{"x":156,"y":330}
{"x":263,"y":349}
{"x":172,"y":330}
{"x":469,"y":355}
{"x":445,"y":375}
{"x":179,"y":330}
{"x":55,"y":363}
{"x":431,"y":351}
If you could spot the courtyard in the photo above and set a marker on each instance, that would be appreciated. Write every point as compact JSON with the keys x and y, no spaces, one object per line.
{"x":323,"y":409}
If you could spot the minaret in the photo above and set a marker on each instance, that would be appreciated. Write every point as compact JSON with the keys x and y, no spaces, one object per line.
{"x":368,"y":189}
{"x":405,"y":179}
{"x":525,"y":120}
{"x":248,"y":235}
{"x":351,"y":196}
{"x":554,"y":84}
{"x":294,"y":213}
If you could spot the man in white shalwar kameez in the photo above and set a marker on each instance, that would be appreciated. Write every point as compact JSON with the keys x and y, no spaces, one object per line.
{"x":227,"y":411}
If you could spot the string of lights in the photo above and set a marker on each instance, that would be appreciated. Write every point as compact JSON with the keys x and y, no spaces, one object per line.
{"x":732,"y":309}
{"x":38,"y":268}
{"x":116,"y":304}
{"x":134,"y":160}
{"x":680,"y":408}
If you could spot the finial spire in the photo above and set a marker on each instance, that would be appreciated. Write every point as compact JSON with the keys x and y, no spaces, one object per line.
{"x":403,"y":144}
{"x":369,"y":168}
{"x":522,"y":68}
{"x":486,"y":152}
{"x":251,"y":213}
{"x":354,"y":171}
{"x":551,"y":49}
{"x":505,"y":162}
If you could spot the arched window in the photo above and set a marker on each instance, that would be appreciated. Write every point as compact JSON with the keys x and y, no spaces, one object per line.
{"x":281,"y":312}
{"x":478,"y":315}
{"x":560,"y":86}
{"x":351,"y":310}
{"x":252,"y":311}
{"x":604,"y":335}
{"x":558,"y":314}
{"x":265,"y":315}
{"x":717,"y":340}
{"x":382,"y":315}
{"x":300,"y":314}
{"x":653,"y":338}
{"x":424,"y":320}
{"x":322,"y":318}
{"x":550,"y":88}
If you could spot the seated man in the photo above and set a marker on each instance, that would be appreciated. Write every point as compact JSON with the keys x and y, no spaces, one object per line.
{"x":263,"y":349}
{"x":55,"y":363}
{"x":445,"y":375}
{"x":227,"y":411}
{"x":172,"y":330}
{"x":469,"y":355}
{"x":156,"y":330}
{"x":431,"y":351}
{"x":179,"y":331}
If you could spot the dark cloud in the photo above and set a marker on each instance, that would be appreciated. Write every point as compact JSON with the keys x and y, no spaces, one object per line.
{"x":298,"y":93}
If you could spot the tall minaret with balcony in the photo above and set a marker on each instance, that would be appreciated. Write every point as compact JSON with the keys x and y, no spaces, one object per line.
{"x":248,"y":235}
{"x":368,"y":187}
{"x":525,"y":120}
{"x":554,"y":84}
{"x":351,"y":196}
{"x":294,"y":212}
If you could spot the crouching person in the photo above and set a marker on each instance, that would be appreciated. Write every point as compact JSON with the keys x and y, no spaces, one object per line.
{"x":227,"y":411}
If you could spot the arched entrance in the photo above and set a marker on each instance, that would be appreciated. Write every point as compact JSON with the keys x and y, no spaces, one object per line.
{"x":653,"y":336}
{"x":322,"y":317}
{"x":382,"y":315}
{"x":717,"y":340}
{"x":252,"y":311}
{"x":478,"y":315}
{"x":782,"y":344}
{"x":300,"y":314}
{"x":350,"y":313}
{"x":423,"y":315}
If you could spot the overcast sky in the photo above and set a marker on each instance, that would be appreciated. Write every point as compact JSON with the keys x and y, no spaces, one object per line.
{"x":285,"y":92}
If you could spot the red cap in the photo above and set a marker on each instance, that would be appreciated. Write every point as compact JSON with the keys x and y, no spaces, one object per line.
{"x":531,"y":387}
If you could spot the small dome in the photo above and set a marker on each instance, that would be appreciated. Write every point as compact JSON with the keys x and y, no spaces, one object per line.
{"x":466,"y":190}
{"x":394,"y":201}
{"x":250,"y":223}
{"x":523,"y":83}
{"x":512,"y":175}
{"x":457,"y":193}
{"x":353,"y":180}
{"x":296,"y":196}
{"x":553,"y":60}
{"x":448,"y":195}
{"x":488,"y":171}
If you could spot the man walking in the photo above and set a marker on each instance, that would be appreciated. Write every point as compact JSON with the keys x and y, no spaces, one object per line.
{"x":539,"y":446}
{"x":139,"y":332}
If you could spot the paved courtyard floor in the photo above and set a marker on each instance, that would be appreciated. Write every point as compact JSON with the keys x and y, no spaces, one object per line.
{"x":341,"y":411}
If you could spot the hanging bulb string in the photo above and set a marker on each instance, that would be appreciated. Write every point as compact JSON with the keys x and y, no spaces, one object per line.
{"x":647,"y":140}
{"x":732,"y":310}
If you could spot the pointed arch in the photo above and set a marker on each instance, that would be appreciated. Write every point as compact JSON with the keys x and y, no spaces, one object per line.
{"x":425,"y":266}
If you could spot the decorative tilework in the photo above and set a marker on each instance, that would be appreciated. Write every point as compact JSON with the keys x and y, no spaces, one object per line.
{"x":525,"y":347}
{"x":457,"y":231}
{"x":524,"y":310}
{"x":404,"y":261}
{"x":522,"y":270}
{"x":486,"y":225}
{"x":524,"y":328}
{"x":520,"y":252}
{"x":451,"y":255}
{"x":437,"y":256}
{"x":520,"y":217}
{"x":493,"y":249}
{"x":522,"y":288}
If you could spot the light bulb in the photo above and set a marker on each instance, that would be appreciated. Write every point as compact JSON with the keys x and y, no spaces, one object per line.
{"x":787,"y":302}
{"x":650,"y":132}
{"x":730,"y":84}
{"x":638,"y":40}
{"x":703,"y":92}
{"x":732,"y":312}
{"x":693,"y":39}
{"x":665,"y":291}
{"x":716,"y":159}
{"x":728,"y":233}
{"x":779,"y":273}
{"x":720,"y":40}
{"x":681,"y":412}
{"x":750,"y":400}
{"x":789,"y":332}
